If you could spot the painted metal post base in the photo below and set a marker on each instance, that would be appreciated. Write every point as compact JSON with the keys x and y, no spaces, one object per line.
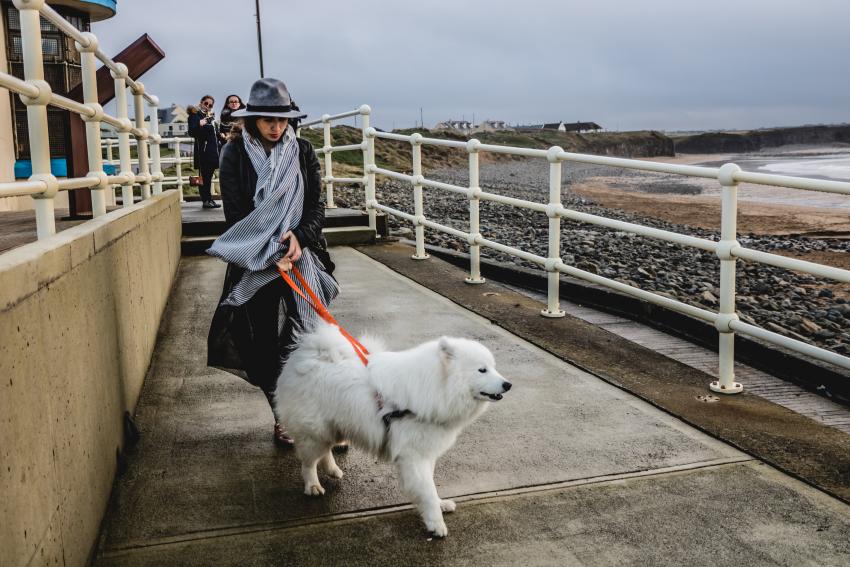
{"x":735,"y":388}
{"x":422,"y":257}
{"x":553,"y":314}
{"x":474,"y":281}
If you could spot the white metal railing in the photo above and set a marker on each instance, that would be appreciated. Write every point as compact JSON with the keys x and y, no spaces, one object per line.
{"x":327,"y":150}
{"x":36,"y":94}
{"x":727,"y":249}
{"x":178,"y":180}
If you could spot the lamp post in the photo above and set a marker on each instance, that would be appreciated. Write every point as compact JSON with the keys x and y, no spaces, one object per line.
{"x":259,"y":39}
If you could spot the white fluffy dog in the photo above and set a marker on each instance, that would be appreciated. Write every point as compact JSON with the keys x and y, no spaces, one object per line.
{"x":406,"y":407}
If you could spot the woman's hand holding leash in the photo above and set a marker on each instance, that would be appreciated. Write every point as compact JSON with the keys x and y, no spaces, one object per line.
{"x":293,"y":252}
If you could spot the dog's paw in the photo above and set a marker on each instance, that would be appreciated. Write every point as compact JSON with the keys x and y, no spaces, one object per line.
{"x":437,"y":530}
{"x":447,"y":505}
{"x":314,"y":490}
{"x":334,"y":472}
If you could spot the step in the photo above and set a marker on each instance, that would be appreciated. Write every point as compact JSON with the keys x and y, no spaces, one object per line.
{"x":197,"y":244}
{"x":204,"y":228}
{"x":205,"y":222}
{"x":348,"y":235}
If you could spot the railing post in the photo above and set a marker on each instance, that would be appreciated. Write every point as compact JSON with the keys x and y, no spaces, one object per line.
{"x":553,"y":306}
{"x":418,"y":207}
{"x":124,"y":135}
{"x":155,"y":140}
{"x":368,"y":164}
{"x":141,"y":139}
{"x":328,"y":155}
{"x":95,"y":154}
{"x":178,"y":168}
{"x":728,"y":242}
{"x":474,"y":228}
{"x":37,"y":115}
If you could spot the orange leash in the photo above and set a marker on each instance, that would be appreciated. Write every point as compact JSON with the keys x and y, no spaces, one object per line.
{"x":322,"y":311}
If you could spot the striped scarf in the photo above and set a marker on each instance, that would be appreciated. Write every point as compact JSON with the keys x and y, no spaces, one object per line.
{"x":254,"y":242}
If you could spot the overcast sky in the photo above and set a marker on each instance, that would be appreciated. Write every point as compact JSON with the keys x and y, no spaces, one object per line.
{"x":626,"y":64}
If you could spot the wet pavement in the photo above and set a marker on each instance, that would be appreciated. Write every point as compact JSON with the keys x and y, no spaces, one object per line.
{"x":566,"y":470}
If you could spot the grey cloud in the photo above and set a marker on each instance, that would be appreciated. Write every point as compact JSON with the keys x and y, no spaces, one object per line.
{"x":663,"y":64}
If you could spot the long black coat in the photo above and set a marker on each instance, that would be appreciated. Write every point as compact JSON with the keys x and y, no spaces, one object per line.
{"x":206,"y":140}
{"x":244,"y":340}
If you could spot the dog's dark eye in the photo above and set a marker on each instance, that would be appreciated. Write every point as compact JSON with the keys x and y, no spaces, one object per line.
{"x":482,"y":370}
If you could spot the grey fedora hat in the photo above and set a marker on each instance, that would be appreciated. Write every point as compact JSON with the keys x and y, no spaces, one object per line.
{"x":269,"y":97}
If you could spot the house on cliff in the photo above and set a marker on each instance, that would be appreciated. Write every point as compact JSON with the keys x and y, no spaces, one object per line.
{"x":466,"y":127}
{"x":493,"y":126}
{"x":564,"y":126}
{"x":456,"y":126}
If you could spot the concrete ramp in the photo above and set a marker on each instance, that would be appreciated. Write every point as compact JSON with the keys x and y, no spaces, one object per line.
{"x":566,"y":470}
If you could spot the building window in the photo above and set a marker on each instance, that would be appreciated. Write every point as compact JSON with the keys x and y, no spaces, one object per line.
{"x":61,"y":70}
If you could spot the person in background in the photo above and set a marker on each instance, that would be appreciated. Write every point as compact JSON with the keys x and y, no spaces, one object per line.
{"x":231,"y":104}
{"x":203,"y":129}
{"x":271,"y":188}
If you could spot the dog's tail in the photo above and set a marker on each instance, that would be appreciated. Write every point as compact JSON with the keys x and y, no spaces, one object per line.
{"x":327,"y":344}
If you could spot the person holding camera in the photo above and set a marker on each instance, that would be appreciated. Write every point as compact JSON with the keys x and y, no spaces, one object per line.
{"x":202,"y":128}
{"x":231,"y":104}
{"x":271,"y":188}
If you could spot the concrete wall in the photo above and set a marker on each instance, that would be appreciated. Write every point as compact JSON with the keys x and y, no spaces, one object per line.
{"x":79,"y":314}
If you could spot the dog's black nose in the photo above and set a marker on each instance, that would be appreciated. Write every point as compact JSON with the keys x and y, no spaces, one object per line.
{"x":506,"y":386}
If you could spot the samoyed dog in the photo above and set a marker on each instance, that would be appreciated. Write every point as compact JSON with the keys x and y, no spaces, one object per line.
{"x":406,"y":407}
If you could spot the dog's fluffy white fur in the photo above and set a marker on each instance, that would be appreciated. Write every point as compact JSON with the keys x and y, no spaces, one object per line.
{"x":326,"y":395}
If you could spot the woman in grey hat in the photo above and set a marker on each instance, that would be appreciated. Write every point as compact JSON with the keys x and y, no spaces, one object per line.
{"x":271,"y":190}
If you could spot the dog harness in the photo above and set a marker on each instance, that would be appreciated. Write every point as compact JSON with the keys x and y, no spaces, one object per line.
{"x":388,"y":417}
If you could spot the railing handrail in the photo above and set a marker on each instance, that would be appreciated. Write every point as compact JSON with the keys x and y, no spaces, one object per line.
{"x":727,"y":249}
{"x":36,"y":94}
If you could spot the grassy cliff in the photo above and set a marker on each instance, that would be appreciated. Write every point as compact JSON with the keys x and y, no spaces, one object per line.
{"x":754,"y":140}
{"x":396,"y":155}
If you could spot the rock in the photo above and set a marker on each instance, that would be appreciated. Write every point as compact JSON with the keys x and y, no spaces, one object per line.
{"x":843,"y":308}
{"x":402,"y":232}
{"x":771,"y":326}
{"x":588,"y":267}
{"x":810,"y":326}
{"x":825,"y":292}
{"x":709,"y":297}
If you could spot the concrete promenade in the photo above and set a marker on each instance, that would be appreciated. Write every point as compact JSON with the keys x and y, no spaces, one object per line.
{"x":566,"y":470}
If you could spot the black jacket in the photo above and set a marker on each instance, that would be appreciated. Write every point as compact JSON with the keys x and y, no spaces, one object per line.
{"x":239,"y":181}
{"x":206,"y":140}
{"x":237,"y":342}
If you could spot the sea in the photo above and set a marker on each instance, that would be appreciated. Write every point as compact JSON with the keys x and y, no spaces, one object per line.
{"x":819,"y":162}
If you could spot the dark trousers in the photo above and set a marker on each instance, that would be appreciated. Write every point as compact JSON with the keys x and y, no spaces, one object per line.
{"x":253,"y":340}
{"x":273,"y":318}
{"x":207,"y":172}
